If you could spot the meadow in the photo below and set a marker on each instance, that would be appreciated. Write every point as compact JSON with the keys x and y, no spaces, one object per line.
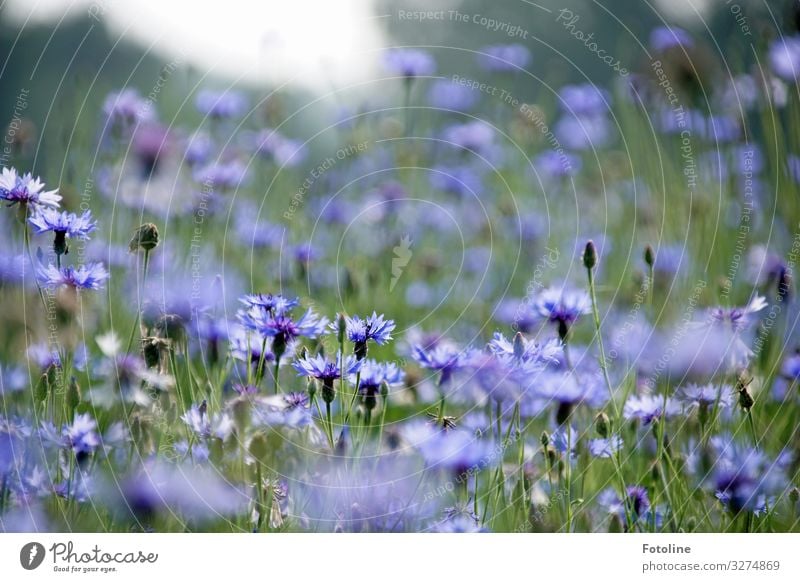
{"x":446,"y":309}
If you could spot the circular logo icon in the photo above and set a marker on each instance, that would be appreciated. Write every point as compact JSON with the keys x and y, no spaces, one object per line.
{"x":31,"y":555}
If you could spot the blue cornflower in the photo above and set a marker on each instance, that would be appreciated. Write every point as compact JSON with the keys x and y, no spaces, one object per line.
{"x":282,"y":328}
{"x":784,"y":57}
{"x":456,"y":450}
{"x":569,"y":390}
{"x":446,"y":94}
{"x":360,"y":331}
{"x":220,"y":104}
{"x":564,"y":439}
{"x":738,"y":318}
{"x":274,"y":304}
{"x":374,"y":374}
{"x":224,"y":175}
{"x":744,"y":478}
{"x":459,"y":524}
{"x":89,"y":276}
{"x":327,"y":371}
{"x":444,"y":358}
{"x":650,"y":407}
{"x":126,"y":108}
{"x":525,"y":350}
{"x":605,"y":448}
{"x":64,"y":225}
{"x":289,"y":410}
{"x":409,"y":63}
{"x":638,"y":506}
{"x":502,"y":58}
{"x":463,"y":180}
{"x":586,"y":100}
{"x":706,"y":396}
{"x":666,"y":37}
{"x":81,"y":436}
{"x":220,"y":425}
{"x":558,"y":164}
{"x":561,"y":307}
{"x":26,"y":190}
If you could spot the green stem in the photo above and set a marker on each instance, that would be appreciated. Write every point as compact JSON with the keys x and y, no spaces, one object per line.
{"x":603,"y":363}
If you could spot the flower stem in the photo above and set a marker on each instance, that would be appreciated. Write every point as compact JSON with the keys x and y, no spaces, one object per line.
{"x":603,"y":363}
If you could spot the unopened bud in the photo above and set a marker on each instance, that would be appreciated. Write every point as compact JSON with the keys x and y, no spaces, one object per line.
{"x":145,"y":237}
{"x":73,"y":395}
{"x":602,"y":424}
{"x":590,"y":255}
{"x":649,"y":256}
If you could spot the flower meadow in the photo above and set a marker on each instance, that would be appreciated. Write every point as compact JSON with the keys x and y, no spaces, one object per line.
{"x":445,"y":309}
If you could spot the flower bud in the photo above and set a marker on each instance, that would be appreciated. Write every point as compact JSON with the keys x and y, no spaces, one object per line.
{"x":602,"y":425}
{"x":73,"y":396}
{"x":649,"y":256}
{"x":590,"y":255}
{"x":145,"y":237}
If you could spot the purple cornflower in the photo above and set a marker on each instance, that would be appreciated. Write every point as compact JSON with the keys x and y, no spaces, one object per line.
{"x":650,"y":407}
{"x":26,"y":190}
{"x":503,"y":58}
{"x":562,"y":307}
{"x":409,"y":63}
{"x":360,"y":331}
{"x":220,"y":104}
{"x":784,"y":57}
{"x":667,"y":37}
{"x":89,"y":276}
